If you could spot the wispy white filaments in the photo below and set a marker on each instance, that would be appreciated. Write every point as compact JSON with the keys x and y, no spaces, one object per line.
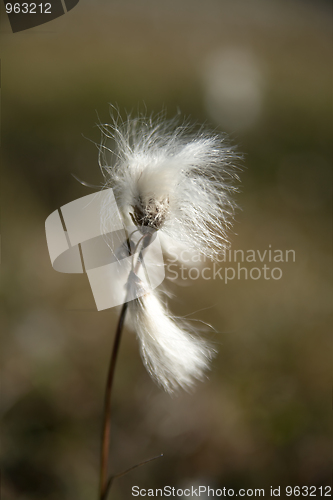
{"x":171,"y":351}
{"x":167,"y":178}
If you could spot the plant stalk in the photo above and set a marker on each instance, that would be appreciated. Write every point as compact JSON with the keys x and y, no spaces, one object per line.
{"x":104,"y":480}
{"x":107,"y":406}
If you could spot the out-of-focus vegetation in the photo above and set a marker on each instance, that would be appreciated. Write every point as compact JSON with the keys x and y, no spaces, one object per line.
{"x":261,"y":72}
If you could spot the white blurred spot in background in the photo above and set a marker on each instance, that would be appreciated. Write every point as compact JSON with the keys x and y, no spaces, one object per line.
{"x":233,"y":88}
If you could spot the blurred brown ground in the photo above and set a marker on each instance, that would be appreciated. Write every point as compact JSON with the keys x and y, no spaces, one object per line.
{"x":263,"y":418}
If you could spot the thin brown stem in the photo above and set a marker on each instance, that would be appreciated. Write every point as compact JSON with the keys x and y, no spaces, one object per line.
{"x":110,"y":481}
{"x":107,"y":406}
{"x":104,"y":481}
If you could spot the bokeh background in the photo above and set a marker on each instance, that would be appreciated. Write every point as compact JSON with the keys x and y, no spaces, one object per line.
{"x":259,"y":70}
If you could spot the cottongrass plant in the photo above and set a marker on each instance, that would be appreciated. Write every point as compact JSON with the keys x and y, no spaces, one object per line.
{"x":168,"y":179}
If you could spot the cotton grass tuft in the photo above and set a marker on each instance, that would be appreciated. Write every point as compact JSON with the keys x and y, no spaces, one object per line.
{"x":170,"y":179}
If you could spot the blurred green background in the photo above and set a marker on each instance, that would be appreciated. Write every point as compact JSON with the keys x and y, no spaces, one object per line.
{"x":260,"y":71}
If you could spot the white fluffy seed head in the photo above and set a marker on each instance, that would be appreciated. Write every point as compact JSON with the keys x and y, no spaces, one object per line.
{"x":171,"y":179}
{"x":171,"y":351}
{"x":167,"y":178}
